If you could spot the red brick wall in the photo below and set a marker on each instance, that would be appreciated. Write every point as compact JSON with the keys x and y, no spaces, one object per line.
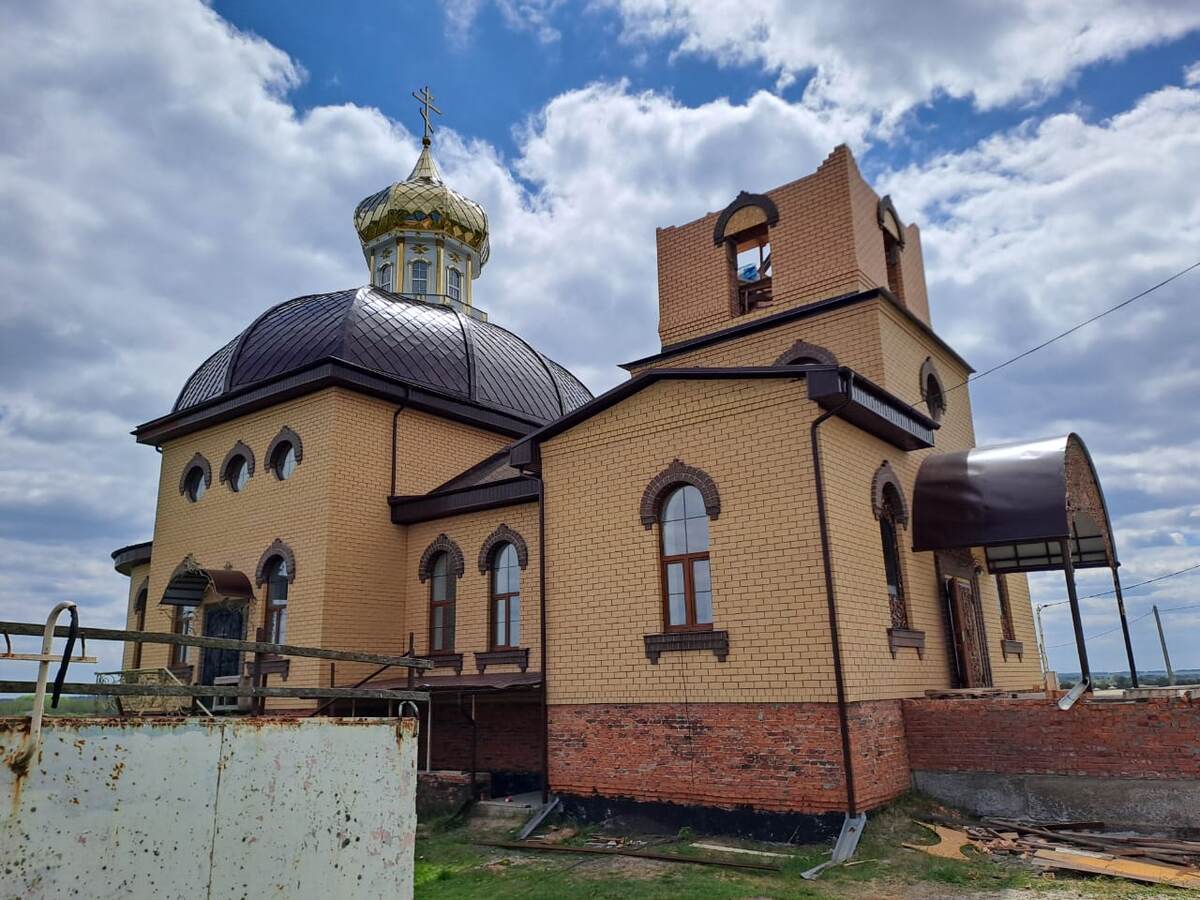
{"x":781,"y":757}
{"x":1142,"y":739}
{"x":509,"y":736}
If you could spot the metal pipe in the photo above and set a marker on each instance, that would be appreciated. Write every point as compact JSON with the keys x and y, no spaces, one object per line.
{"x":34,"y":738}
{"x":542,"y":628}
{"x":1133,"y":676}
{"x":1162,"y":639}
{"x":1085,"y":672}
{"x":835,"y":643}
{"x":395,"y":421}
{"x":429,"y":735}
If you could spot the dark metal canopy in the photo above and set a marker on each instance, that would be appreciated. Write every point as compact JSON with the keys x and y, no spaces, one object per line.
{"x":1019,"y":501}
{"x":187,"y":586}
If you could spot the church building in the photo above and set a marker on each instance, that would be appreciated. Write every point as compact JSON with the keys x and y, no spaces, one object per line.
{"x":707,"y":589}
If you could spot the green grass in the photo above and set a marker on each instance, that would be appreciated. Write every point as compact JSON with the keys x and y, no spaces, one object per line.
{"x":450,"y":865}
{"x":67,"y":706}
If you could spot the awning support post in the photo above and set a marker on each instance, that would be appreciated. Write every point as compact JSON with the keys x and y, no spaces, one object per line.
{"x":1124,"y":626}
{"x":1085,"y":672}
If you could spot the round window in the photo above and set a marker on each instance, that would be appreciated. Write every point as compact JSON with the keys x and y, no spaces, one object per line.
{"x":284,"y":460}
{"x":238,"y":473}
{"x":194,"y":485}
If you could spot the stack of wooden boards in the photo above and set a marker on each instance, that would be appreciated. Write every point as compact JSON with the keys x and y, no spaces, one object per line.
{"x":1078,"y":847}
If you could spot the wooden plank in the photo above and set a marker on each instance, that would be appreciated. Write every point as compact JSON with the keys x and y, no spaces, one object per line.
{"x":156,"y":637}
{"x":1119,"y":868}
{"x":639,"y":854}
{"x":209,"y":690}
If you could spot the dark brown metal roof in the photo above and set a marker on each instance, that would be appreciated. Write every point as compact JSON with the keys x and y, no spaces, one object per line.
{"x":1014,"y":499}
{"x":418,"y":343}
{"x":134,"y":555}
{"x":187,"y":586}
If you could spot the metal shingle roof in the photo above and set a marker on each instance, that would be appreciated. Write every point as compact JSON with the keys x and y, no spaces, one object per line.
{"x":416,"y":342}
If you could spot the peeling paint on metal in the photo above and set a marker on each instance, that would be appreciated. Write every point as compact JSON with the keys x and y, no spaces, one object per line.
{"x":177,"y":807}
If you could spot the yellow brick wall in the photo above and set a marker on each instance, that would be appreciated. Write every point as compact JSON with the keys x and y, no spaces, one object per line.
{"x":469,"y":531}
{"x":603,"y":588}
{"x":137,"y":575}
{"x":349,"y":590}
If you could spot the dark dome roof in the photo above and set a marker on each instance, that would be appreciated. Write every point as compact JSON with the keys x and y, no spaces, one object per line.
{"x":416,"y":342}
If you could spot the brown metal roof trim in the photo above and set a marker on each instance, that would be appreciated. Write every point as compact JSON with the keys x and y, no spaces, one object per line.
{"x":261,"y":395}
{"x":441,"y":544}
{"x":502,"y":535}
{"x":125,"y":558}
{"x":492,"y":468}
{"x":284,"y":552}
{"x":189,"y":581}
{"x":408,"y":510}
{"x":672,"y":476}
{"x":800,"y":312}
{"x":872,"y":408}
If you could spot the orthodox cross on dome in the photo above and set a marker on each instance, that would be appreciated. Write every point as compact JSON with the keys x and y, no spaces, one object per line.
{"x":425,"y":98}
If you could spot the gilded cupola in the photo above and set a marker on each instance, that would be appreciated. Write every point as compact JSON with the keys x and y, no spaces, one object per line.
{"x":422,"y":238}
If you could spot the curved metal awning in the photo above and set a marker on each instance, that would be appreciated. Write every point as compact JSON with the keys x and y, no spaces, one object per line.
{"x":188,"y":584}
{"x":1019,"y":502}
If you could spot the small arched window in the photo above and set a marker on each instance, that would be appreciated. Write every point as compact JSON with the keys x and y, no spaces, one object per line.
{"x":686,"y":579}
{"x":278,"y":580}
{"x":194,"y":484}
{"x":932,"y":390}
{"x":442,"y":592}
{"x":420,"y":277}
{"x":454,"y":284}
{"x":283,"y":463}
{"x":506,"y":597}
{"x":237,"y":473}
{"x":891,"y":515}
{"x":139,"y":624}
{"x":383,"y":276}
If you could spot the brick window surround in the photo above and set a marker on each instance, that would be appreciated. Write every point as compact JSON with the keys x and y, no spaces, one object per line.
{"x":441,"y":544}
{"x":672,"y":476}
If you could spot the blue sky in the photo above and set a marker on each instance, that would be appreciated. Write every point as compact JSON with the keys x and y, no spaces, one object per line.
{"x":193,"y":164}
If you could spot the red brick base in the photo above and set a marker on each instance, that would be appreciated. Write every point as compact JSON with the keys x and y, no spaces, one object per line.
{"x":778,"y":757}
{"x":508,"y":735}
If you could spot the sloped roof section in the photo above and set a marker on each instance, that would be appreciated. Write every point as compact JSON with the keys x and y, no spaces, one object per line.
{"x":428,"y":345}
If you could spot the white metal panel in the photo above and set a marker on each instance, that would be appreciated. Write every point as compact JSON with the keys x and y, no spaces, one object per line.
{"x":209,"y":808}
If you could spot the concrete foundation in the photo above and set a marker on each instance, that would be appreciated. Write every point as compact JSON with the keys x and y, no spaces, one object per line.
{"x":1136,"y":803}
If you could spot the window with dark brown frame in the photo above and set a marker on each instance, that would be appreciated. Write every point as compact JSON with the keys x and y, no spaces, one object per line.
{"x":505,"y":612}
{"x":275,"y":618}
{"x":890,"y":515}
{"x":443,"y":588}
{"x":685,"y":573}
{"x":1006,"y":619}
{"x":139,"y":624}
{"x":184,"y":623}
{"x":195,"y":484}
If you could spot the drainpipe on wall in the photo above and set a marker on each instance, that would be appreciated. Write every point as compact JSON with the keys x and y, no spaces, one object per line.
{"x":835,"y":643}
{"x":395,"y":425}
{"x":542,"y":625}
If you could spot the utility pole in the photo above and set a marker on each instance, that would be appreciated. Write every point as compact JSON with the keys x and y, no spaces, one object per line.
{"x":1163,"y":640}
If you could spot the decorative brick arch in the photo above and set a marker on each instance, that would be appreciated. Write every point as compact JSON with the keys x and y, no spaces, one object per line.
{"x":502,"y":535}
{"x":887,"y":209}
{"x":768,"y":214}
{"x":675,"y":474}
{"x":285,"y":435}
{"x":885,"y":476}
{"x":929,"y":371}
{"x":197,"y":461}
{"x":802,"y":350}
{"x":441,"y":544}
{"x":238,"y":449}
{"x":282,"y":550}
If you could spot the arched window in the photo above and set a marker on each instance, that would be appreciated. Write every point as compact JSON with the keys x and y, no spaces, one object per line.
{"x":933,"y":392}
{"x":139,"y":623}
{"x":420,"y":277}
{"x":383,"y":276}
{"x":744,"y":227}
{"x":442,"y":592}
{"x":238,"y":467}
{"x":1006,"y":619}
{"x":454,"y":284}
{"x":891,"y":516}
{"x":278,"y":579}
{"x":194,"y":484}
{"x":284,"y":453}
{"x":686,"y":581}
{"x":506,"y":597}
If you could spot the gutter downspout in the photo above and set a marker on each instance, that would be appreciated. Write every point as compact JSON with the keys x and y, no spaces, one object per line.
{"x":395,"y":425}
{"x":835,"y":642}
{"x":542,"y":625}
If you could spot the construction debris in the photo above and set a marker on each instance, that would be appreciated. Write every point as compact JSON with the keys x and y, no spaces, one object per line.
{"x":724,"y":849}
{"x":1077,"y":846}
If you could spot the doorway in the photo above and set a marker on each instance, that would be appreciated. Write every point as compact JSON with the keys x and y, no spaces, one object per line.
{"x":964,"y":619}
{"x":222,"y":622}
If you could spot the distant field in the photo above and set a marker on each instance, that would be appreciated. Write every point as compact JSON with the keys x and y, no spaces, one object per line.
{"x":67,"y":706}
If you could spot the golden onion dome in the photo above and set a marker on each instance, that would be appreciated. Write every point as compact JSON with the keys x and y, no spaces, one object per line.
{"x":423,"y":202}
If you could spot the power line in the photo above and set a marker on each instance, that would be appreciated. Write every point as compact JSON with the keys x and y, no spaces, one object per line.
{"x":1128,"y":587}
{"x":1071,"y":330}
{"x":1101,"y":634}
